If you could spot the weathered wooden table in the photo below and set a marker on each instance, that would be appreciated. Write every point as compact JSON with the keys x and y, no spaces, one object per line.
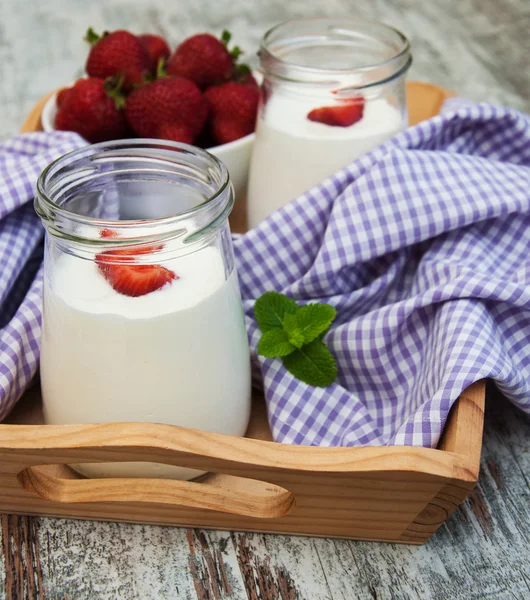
{"x":483,"y":551}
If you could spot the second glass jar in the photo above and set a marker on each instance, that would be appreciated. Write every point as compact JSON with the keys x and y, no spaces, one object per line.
{"x":354,"y":67}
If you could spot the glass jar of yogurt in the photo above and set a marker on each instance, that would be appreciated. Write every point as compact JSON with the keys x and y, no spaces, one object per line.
{"x":142,"y":316}
{"x":333,"y":89}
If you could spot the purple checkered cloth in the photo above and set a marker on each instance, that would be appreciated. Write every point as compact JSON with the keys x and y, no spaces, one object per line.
{"x":422,"y":245}
{"x":21,"y":161}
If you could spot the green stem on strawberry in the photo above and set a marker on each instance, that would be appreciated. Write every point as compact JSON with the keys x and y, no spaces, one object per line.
{"x":161,"y":68}
{"x":92,"y":37}
{"x":236,"y":51}
{"x":114,"y":89}
{"x":150,"y":77}
{"x":242,"y":69}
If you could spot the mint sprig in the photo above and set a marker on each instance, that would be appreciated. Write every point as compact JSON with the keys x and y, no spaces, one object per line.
{"x":271,"y":308}
{"x":294,"y":334}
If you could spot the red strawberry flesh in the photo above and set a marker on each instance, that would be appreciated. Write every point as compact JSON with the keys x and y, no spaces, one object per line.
{"x":108,"y":233}
{"x":89,"y":110}
{"x":119,"y":53}
{"x":167,"y":100}
{"x":176,"y":132}
{"x":121,"y":255}
{"x":61,"y":96}
{"x":340,"y":115}
{"x":138,"y":280}
{"x":133,"y":279}
{"x":202,"y":58}
{"x":233,"y":109}
{"x":156,"y":47}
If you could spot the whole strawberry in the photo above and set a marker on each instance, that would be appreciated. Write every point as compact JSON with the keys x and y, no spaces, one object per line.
{"x":156,"y":47}
{"x":169,"y":101}
{"x":92,"y":109}
{"x":233,"y":110}
{"x":204,"y":59}
{"x":119,"y":53}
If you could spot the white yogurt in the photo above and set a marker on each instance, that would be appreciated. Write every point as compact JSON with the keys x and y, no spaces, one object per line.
{"x":178,"y":355}
{"x":291,"y":153}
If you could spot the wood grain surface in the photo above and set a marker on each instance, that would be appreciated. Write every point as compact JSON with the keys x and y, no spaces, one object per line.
{"x":481,"y":50}
{"x":400,"y":494}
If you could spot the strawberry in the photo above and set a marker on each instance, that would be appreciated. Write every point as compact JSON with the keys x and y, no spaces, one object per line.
{"x":202,"y":58}
{"x":61,"y":96}
{"x":118,"y":53}
{"x":176,"y":132}
{"x":341,"y":115}
{"x":156,"y":47}
{"x":233,"y":107}
{"x":133,"y":279}
{"x":121,"y":255}
{"x":170,"y":100}
{"x":92,"y":109}
{"x":138,"y":280}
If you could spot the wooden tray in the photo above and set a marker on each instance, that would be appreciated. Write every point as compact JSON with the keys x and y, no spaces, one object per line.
{"x":398,"y":494}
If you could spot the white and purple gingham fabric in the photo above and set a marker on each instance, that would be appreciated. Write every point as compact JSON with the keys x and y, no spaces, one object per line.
{"x":21,"y":161}
{"x":423,"y":246}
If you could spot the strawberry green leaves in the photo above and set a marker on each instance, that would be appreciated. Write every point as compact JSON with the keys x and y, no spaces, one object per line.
{"x":295,"y":334}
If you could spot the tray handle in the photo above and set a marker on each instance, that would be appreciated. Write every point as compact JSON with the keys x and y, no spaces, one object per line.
{"x":227,"y":494}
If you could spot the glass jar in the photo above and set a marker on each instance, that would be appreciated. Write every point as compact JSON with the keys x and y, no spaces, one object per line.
{"x":142,"y":316}
{"x":354,"y":67}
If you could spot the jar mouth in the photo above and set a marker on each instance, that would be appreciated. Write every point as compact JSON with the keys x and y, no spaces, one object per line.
{"x":346,"y":51}
{"x":139,"y":188}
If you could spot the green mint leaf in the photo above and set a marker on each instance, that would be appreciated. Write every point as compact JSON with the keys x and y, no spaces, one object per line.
{"x":313,"y":364}
{"x":275,"y":343}
{"x":271,"y":308}
{"x":295,"y":334}
{"x":314,"y":319}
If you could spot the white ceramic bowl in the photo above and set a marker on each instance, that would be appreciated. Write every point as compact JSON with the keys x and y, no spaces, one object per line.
{"x":235,"y":155}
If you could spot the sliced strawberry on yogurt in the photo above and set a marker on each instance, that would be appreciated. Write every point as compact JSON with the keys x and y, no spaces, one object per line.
{"x":133,"y":279}
{"x":137,"y":280}
{"x":340,"y":115}
{"x":126,"y":254}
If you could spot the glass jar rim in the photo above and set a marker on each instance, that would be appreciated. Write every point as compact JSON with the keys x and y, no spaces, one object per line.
{"x":401,"y":59}
{"x":47,"y":208}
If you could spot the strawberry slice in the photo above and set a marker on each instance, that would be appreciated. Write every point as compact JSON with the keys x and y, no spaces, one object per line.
{"x":342,"y":115}
{"x":125,"y":254}
{"x":133,"y":279}
{"x":108,"y":233}
{"x":137,"y":280}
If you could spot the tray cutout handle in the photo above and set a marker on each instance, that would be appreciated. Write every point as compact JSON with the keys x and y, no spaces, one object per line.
{"x":236,"y":495}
